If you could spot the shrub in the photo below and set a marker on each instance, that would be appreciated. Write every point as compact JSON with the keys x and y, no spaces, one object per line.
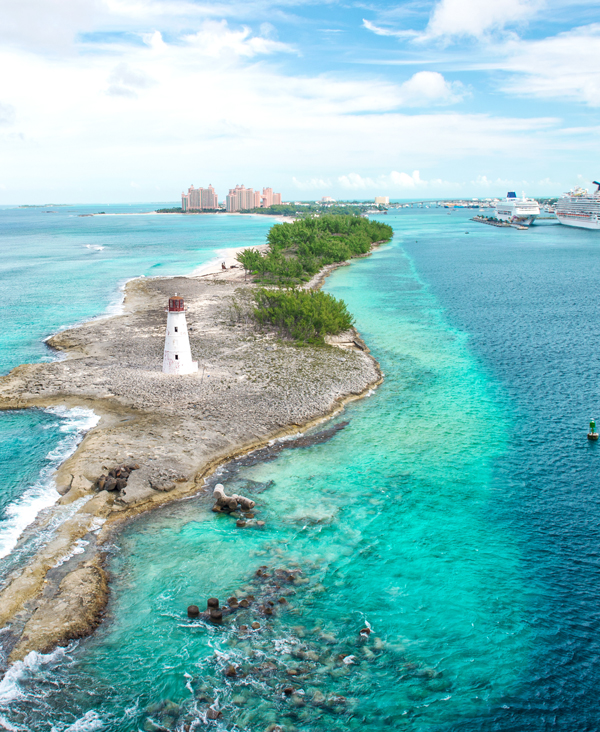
{"x":304,"y":315}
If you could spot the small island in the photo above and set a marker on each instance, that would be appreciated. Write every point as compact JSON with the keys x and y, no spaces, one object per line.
{"x":161,"y":435}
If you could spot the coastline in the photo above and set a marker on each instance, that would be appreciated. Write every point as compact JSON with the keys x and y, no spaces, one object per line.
{"x":79,"y":584}
{"x":275,"y":217}
{"x":226,"y":255}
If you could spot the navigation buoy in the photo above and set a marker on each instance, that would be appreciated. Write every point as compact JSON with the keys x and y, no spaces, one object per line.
{"x":592,"y":434}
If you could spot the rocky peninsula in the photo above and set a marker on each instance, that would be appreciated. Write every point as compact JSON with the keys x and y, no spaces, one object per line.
{"x":173,"y":431}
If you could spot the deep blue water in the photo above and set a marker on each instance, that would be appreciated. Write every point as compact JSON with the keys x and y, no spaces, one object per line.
{"x":457,"y":514}
{"x":530,"y":306}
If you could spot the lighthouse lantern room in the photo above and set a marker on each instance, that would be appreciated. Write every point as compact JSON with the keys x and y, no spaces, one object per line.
{"x":178,"y":355}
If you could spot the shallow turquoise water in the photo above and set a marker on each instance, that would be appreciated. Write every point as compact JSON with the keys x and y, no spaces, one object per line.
{"x":387,"y":523}
{"x":61,"y":268}
{"x":442,"y":517}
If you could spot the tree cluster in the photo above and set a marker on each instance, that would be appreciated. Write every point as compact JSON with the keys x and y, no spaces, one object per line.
{"x":298,"y":250}
{"x":304,"y":315}
{"x":306,"y":211}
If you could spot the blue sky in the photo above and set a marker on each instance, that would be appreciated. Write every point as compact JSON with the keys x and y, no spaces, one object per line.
{"x":134,"y":100}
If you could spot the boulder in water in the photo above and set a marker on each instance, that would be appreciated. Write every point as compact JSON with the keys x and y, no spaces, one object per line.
{"x":216,"y":615}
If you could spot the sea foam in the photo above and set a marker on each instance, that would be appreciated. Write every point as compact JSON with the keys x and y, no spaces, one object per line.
{"x":10,"y":686}
{"x":42,"y":494}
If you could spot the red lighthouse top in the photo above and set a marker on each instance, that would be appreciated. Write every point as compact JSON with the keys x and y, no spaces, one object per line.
{"x":176,"y":304}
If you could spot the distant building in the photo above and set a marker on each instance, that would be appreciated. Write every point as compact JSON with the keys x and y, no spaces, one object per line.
{"x":382,"y":200}
{"x":268,"y":198}
{"x":199,"y":199}
{"x":328,"y":199}
{"x":241,"y":198}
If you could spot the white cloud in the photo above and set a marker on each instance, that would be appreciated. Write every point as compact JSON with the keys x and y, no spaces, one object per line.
{"x":154,"y":41}
{"x":46,"y":24}
{"x":566,"y":66}
{"x":379,"y":31}
{"x":482,"y":181}
{"x":312,"y":184}
{"x":430,"y":87}
{"x":452,"y":19}
{"x":125,"y":81}
{"x":56,"y":25}
{"x":212,"y":110}
{"x":395,"y":181}
{"x":477,"y":17}
{"x":7,"y":114}
{"x":216,"y":39}
{"x":499,"y":186}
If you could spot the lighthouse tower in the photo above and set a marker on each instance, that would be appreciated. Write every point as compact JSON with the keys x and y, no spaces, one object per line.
{"x":178,"y":356}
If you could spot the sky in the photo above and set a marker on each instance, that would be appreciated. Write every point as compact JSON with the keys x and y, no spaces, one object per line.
{"x":136,"y":100}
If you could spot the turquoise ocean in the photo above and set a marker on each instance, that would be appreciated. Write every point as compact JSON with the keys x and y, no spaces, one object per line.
{"x":455,"y":516}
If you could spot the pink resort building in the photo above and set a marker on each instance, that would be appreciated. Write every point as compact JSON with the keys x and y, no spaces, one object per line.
{"x":241,"y":198}
{"x":268,"y":198}
{"x":199,"y":199}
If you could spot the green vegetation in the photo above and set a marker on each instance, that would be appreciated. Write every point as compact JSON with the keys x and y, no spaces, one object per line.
{"x":178,"y":209}
{"x":304,"y":315}
{"x":298,"y":250}
{"x":308,"y":210}
{"x":280,"y":209}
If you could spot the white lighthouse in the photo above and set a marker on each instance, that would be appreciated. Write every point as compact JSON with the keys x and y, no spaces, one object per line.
{"x":178,"y":355}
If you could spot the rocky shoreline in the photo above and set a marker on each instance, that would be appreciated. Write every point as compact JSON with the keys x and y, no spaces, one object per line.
{"x":251,"y":388}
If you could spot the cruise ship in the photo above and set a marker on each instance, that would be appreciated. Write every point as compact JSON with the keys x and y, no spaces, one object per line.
{"x":517,"y":211}
{"x":580,"y":208}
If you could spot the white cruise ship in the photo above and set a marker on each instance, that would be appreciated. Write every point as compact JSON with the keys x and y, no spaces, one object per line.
{"x":580,"y":208}
{"x":517,"y":211}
